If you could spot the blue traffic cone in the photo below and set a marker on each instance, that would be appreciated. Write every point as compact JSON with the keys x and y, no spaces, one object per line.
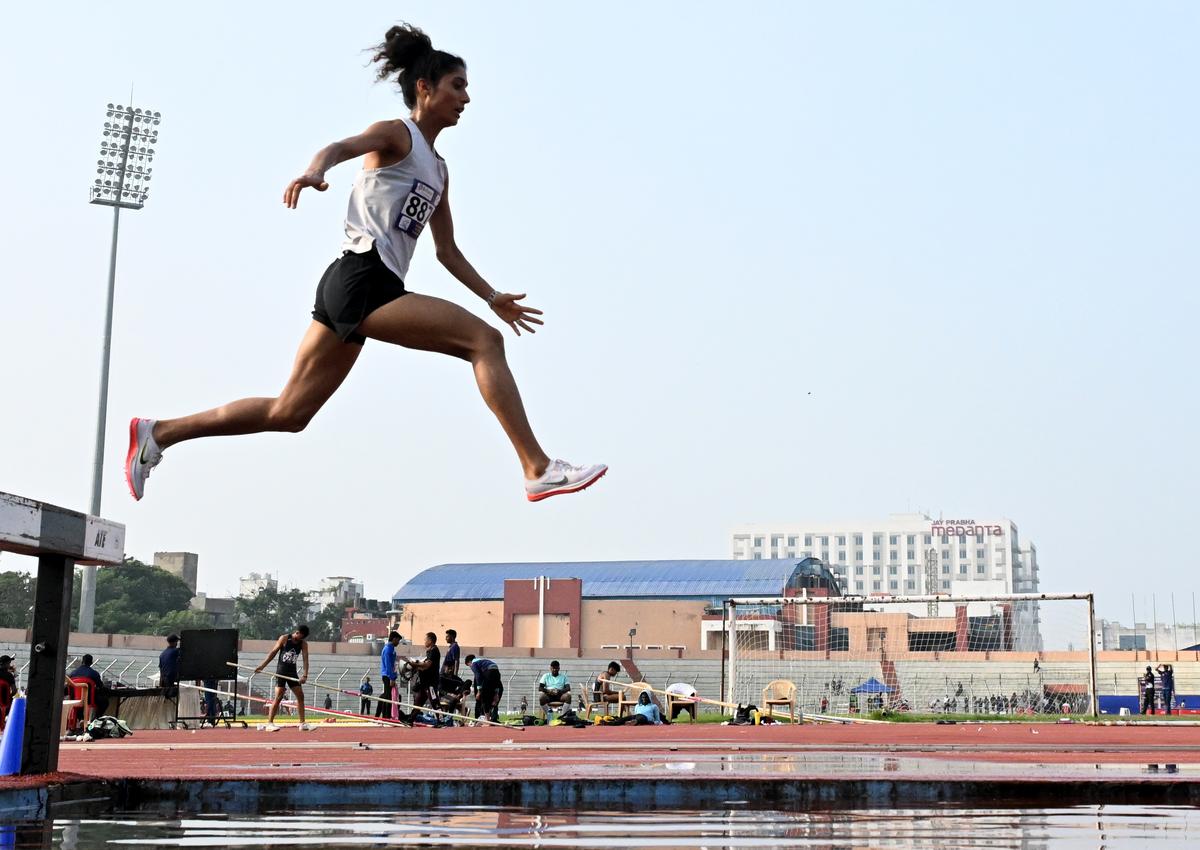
{"x":14,"y":735}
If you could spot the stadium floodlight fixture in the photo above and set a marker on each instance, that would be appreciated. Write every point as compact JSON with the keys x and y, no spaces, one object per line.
{"x":124,"y":169}
{"x":122,"y":181}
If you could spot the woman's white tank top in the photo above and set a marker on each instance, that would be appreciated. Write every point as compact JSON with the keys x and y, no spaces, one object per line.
{"x":390,"y":206}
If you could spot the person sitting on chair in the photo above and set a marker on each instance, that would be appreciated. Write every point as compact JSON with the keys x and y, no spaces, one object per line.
{"x":602,"y":691}
{"x":99,"y":695}
{"x":554,"y":687}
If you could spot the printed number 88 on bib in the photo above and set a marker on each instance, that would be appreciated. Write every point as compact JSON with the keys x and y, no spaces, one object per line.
{"x":418,"y":206}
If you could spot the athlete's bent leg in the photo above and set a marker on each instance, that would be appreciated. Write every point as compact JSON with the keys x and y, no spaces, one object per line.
{"x":431,"y":324}
{"x":321,"y":365}
{"x":322,"y":362}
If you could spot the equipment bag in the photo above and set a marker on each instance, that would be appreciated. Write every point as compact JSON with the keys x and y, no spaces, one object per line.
{"x":108,"y":727}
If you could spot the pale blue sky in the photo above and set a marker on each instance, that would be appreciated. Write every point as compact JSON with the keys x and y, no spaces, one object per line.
{"x":806,"y":261}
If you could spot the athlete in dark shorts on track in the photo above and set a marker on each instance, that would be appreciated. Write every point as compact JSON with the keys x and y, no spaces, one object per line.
{"x":290,"y":648}
{"x":403,"y":186}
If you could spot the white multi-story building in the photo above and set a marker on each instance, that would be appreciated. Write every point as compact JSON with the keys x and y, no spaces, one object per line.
{"x":911,"y":554}
{"x":336,"y":590}
{"x":255,"y":583}
{"x":905,"y":554}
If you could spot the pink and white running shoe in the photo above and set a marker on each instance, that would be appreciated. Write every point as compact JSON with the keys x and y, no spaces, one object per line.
{"x":144,"y":454}
{"x":561,"y":477}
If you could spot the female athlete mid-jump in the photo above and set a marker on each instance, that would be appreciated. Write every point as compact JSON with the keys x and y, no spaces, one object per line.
{"x":402,"y":187}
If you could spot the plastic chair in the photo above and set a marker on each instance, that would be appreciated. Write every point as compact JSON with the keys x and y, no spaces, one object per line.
{"x":780,"y":692}
{"x":673,"y":700}
{"x":592,"y":704}
{"x":83,"y":690}
{"x":629,"y":696}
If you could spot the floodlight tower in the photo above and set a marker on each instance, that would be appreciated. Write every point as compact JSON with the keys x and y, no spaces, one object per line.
{"x":122,"y":182}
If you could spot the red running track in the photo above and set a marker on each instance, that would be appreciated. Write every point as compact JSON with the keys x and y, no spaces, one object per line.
{"x":353,"y":753}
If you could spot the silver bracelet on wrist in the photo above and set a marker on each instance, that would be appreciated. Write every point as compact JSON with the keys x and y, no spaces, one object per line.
{"x":491,"y":299}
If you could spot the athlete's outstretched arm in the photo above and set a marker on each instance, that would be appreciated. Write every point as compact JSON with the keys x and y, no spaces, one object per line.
{"x":379,"y":137}
{"x":278,"y":646}
{"x":503,"y":304}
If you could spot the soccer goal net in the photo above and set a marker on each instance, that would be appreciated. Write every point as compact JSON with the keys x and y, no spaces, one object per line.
{"x":1017,"y":654}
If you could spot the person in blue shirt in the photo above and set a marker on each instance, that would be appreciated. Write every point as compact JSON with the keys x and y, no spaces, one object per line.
{"x":365,"y":690}
{"x":99,"y":696}
{"x":488,"y":687}
{"x":387,"y":672}
{"x":450,"y":659}
{"x":645,"y":713}
{"x":1166,"y":681}
{"x":168,"y":667}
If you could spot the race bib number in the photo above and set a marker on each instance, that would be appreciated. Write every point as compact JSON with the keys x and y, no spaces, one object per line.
{"x":422,"y":200}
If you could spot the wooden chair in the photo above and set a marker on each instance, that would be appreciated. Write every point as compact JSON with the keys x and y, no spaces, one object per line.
{"x":629,"y":696}
{"x":780,"y":692}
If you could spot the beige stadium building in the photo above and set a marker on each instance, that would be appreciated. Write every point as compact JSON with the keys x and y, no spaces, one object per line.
{"x":670,"y":605}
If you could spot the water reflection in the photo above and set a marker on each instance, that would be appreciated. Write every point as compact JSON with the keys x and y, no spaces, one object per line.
{"x":1089,"y":827}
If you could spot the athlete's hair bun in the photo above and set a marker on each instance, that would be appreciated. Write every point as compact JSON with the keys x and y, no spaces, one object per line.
{"x":409,"y":53}
{"x":403,"y":45}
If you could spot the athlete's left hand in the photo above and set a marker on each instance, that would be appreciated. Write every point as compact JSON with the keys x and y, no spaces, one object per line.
{"x":516,"y":315}
{"x":304,"y":678}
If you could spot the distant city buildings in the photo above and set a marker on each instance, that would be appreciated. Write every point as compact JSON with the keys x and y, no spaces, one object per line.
{"x":1161,"y":637}
{"x":183,"y":565}
{"x":256,"y":583}
{"x":336,"y":590}
{"x":905,"y":554}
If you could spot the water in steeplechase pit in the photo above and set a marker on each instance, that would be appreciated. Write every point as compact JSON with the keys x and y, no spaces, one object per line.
{"x":730,"y":826}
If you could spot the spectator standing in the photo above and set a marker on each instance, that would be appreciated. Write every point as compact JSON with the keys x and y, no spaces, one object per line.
{"x":1148,"y":691}
{"x":1166,"y":682}
{"x":328,"y":702}
{"x":487,"y":685}
{"x":554,"y":687}
{"x":365,"y":690}
{"x":429,"y":670}
{"x":168,"y":667}
{"x":387,"y":672}
{"x":212,"y":705}
{"x":451,"y":662}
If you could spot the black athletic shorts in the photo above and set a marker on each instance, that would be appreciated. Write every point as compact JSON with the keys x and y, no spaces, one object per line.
{"x":353,"y":287}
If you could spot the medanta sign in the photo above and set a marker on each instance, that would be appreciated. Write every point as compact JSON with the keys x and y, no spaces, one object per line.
{"x":964,"y":528}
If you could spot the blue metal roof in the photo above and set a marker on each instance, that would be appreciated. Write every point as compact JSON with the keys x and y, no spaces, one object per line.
{"x":607,"y":579}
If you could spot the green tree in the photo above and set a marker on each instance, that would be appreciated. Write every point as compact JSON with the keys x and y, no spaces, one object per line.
{"x":177,"y":621}
{"x":327,"y":625}
{"x":270,"y":613}
{"x":16,"y":600}
{"x":132,"y":598}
